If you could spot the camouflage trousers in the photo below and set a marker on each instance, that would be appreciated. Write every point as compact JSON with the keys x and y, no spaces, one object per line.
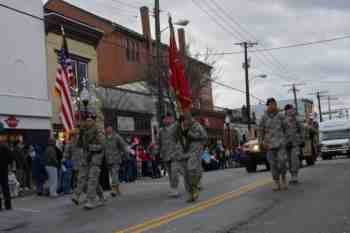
{"x":114,"y":170}
{"x":278,"y":163}
{"x":293,"y":160}
{"x":174,"y":170}
{"x":88,"y":179}
{"x":192,"y":172}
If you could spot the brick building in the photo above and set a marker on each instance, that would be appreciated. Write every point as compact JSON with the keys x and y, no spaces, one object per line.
{"x":125,"y":56}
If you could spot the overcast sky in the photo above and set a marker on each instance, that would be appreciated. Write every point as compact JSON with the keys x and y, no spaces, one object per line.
{"x":272,"y":23}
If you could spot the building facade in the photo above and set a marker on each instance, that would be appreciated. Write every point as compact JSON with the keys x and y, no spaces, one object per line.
{"x":25,"y":103}
{"x":82,"y":41}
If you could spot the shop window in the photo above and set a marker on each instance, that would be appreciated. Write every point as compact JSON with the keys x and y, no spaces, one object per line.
{"x":142,"y":124}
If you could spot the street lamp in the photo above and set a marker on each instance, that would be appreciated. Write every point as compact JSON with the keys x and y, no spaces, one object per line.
{"x":228,"y":127}
{"x":85,"y":98}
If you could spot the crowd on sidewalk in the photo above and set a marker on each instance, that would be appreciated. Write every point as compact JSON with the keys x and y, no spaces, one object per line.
{"x":50,"y":170}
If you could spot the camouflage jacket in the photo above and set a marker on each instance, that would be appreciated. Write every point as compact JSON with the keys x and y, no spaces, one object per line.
{"x":115,"y":149}
{"x":295,"y":132}
{"x":272,"y":130}
{"x":91,"y":139}
{"x":170,"y":146}
{"x":74,"y":153}
{"x":196,"y":139}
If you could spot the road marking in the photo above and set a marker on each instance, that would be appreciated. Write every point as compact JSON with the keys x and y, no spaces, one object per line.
{"x":157,"y":222}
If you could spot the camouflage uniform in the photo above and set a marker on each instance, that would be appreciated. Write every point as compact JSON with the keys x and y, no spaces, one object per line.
{"x":196,"y":137}
{"x":115,"y":148}
{"x":272,"y":132}
{"x":294,"y":140}
{"x":171,"y":152}
{"x":91,"y":161}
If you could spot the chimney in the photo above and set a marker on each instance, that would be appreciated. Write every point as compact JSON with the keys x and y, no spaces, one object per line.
{"x":146,"y":29}
{"x":182,"y":41}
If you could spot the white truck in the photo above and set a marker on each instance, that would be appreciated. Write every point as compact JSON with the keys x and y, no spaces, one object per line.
{"x":335,"y":138}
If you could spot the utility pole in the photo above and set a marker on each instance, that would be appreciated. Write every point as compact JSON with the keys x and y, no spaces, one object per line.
{"x":295,"y":90}
{"x":158,"y":61}
{"x":318,"y":96}
{"x":329,"y":98}
{"x":246,"y":66}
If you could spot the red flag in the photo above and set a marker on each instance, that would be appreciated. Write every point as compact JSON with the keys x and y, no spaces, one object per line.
{"x":178,"y":83}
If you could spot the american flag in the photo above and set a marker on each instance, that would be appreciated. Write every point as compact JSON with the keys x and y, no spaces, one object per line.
{"x":64,"y":79}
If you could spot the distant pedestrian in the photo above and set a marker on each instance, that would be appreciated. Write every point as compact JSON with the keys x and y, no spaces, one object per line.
{"x":6,"y":159}
{"x":272,"y":137}
{"x":51,"y":166}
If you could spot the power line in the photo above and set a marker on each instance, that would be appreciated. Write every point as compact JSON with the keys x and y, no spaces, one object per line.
{"x":234,"y":88}
{"x":272,"y":57}
{"x":232,"y":31}
{"x":303,"y":44}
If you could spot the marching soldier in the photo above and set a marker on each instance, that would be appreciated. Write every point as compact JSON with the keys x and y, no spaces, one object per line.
{"x":170,"y":152}
{"x":195,"y":137}
{"x":294,"y":142}
{"x":91,"y":141}
{"x":115,"y":149}
{"x":272,"y":137}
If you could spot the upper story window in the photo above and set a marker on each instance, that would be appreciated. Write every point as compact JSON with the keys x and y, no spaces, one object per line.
{"x":80,"y":71}
{"x":132,"y":51}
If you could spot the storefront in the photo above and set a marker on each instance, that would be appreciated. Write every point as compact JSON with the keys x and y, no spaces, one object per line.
{"x":30,"y":130}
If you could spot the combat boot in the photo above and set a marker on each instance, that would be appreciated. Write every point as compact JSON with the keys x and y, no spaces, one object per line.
{"x":115,"y":191}
{"x":173,"y":193}
{"x":8,"y":205}
{"x":75,"y":199}
{"x":94,"y":204}
{"x":195,"y":194}
{"x":284,"y":185}
{"x":294,"y":179}
{"x":276,"y":186}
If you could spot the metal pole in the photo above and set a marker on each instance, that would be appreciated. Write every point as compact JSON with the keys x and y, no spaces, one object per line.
{"x":295,"y":99}
{"x":329,"y":107}
{"x":319,"y":106}
{"x":246,"y":68}
{"x":158,"y":62}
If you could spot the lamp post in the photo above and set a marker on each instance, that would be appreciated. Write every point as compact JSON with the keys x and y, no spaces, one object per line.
{"x":85,"y":99}
{"x":228,"y":127}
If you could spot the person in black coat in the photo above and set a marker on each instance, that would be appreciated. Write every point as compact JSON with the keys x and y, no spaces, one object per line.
{"x":5,"y":160}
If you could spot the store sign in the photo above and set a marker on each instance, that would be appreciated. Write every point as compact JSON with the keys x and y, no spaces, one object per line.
{"x":126,"y":123}
{"x":12,"y":122}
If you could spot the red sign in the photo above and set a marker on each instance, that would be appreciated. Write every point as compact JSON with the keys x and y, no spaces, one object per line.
{"x":12,"y":122}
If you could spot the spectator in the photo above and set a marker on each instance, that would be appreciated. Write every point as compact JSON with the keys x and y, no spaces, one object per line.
{"x":38,"y":169}
{"x":51,"y":167}
{"x":154,"y":154}
{"x":67,"y":172}
{"x":5,"y":160}
{"x":27,"y":150}
{"x":145,"y":159}
{"x":20,"y":162}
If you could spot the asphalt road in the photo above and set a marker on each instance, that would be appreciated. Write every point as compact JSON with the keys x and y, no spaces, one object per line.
{"x":232,"y":202}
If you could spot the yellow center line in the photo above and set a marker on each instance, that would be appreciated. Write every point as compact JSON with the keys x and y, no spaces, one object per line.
{"x":157,"y":222}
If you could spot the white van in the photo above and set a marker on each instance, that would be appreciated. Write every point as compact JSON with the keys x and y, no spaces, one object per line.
{"x":335,"y":138}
